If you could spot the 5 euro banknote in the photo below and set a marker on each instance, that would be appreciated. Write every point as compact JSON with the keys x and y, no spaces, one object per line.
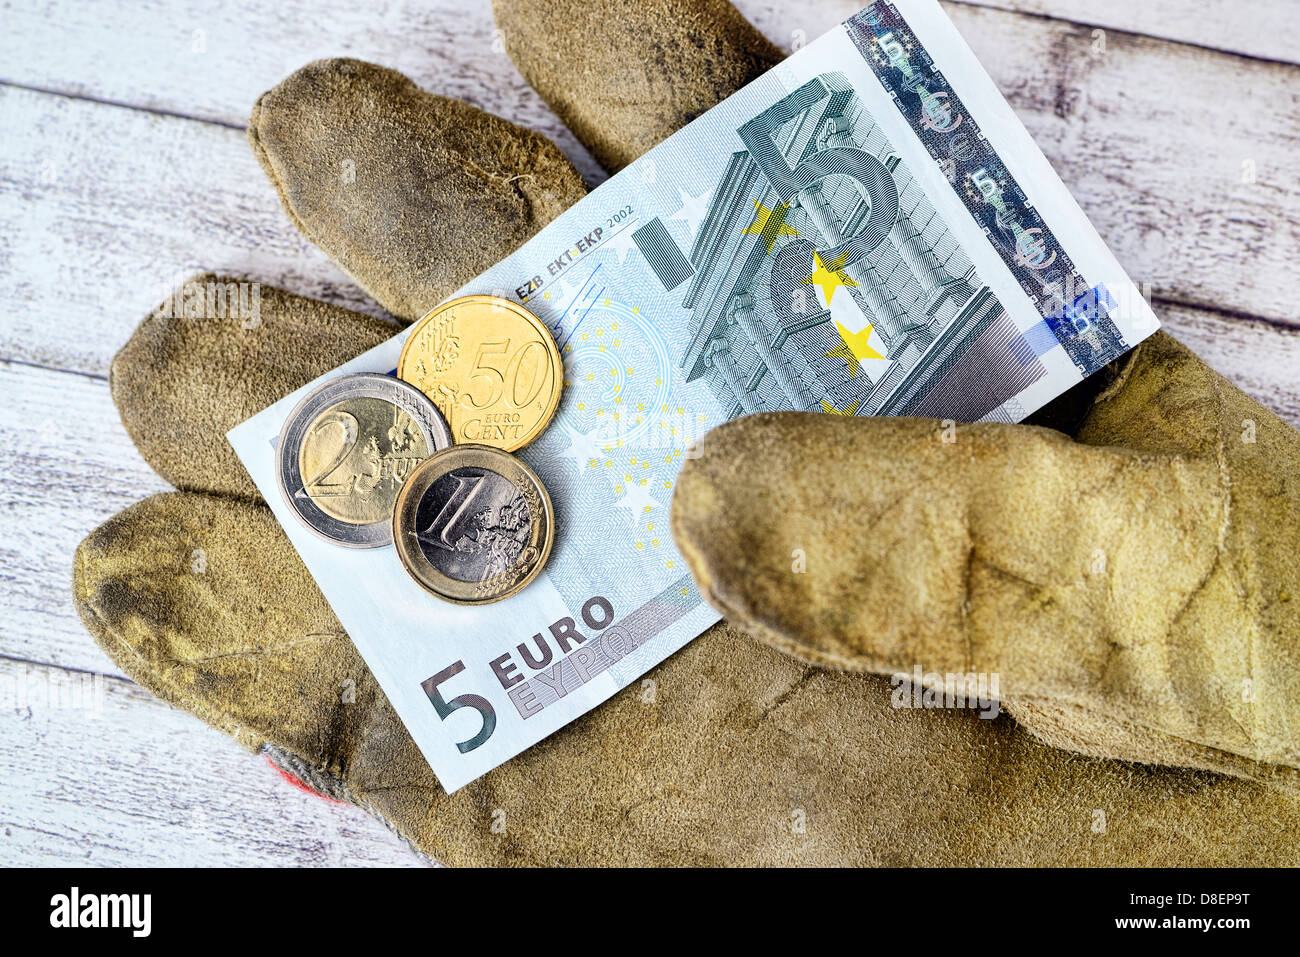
{"x":867,"y":229}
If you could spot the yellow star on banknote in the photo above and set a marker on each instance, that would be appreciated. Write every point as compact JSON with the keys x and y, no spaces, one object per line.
{"x":829,"y":277}
{"x":770,"y":223}
{"x":831,"y":410}
{"x":854,"y":347}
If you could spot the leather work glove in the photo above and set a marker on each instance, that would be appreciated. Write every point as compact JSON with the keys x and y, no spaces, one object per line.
{"x":735,"y":751}
{"x":1131,"y":589}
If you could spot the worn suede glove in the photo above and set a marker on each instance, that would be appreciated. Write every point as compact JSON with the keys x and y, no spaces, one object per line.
{"x":731,"y":752}
{"x":1131,"y":589}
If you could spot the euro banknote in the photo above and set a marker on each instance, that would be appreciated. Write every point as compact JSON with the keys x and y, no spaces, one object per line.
{"x":867,"y":229}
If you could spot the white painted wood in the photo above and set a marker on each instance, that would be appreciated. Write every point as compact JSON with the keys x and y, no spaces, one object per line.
{"x":103,"y":210}
{"x":211,"y":59}
{"x":118,"y":777}
{"x":97,"y":772}
{"x":66,"y":465}
{"x":1257,"y":28}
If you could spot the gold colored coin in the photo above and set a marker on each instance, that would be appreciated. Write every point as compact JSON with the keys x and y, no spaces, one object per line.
{"x":355,"y":456}
{"x":490,"y":367}
{"x":473,"y":525}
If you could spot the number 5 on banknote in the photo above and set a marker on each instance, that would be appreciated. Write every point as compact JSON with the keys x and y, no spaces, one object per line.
{"x":444,"y":707}
{"x":868,"y":173}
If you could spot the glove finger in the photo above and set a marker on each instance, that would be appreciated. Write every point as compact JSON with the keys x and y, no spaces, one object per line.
{"x":185,"y":378}
{"x":203,"y":601}
{"x":412,"y":194}
{"x":728,"y":752}
{"x":1101,"y":578}
{"x":867,"y":542}
{"x":660,"y":64}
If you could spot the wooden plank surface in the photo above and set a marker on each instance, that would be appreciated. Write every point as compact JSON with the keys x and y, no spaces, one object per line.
{"x":66,"y":465}
{"x":216,"y":57}
{"x":119,"y":777}
{"x":104,"y":210}
{"x":1258,"y":28}
{"x":99,"y":772}
{"x":211,"y":59}
{"x":123,"y":168}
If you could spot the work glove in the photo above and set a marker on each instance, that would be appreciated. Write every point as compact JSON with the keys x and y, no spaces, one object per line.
{"x":1132,"y":588}
{"x":731,"y":751}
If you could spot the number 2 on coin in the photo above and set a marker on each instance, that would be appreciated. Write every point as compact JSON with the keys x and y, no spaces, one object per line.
{"x":316,"y":486}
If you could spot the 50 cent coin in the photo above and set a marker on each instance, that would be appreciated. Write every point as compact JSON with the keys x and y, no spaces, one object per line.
{"x":490,"y":366}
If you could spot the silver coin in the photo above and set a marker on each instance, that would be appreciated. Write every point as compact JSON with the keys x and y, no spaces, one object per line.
{"x":346,"y":449}
{"x":473,"y":525}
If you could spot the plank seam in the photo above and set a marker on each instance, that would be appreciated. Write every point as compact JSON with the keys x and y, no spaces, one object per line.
{"x":102,"y":101}
{"x":67,"y":669}
{"x":1232,"y":315}
{"x":31,"y":364}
